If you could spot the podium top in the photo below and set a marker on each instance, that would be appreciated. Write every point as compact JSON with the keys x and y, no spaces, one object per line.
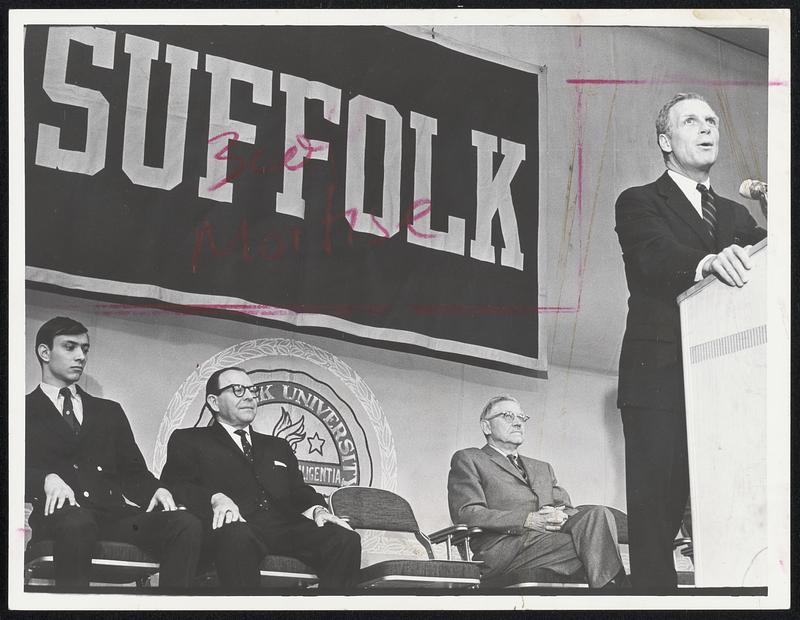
{"x":710,"y":279}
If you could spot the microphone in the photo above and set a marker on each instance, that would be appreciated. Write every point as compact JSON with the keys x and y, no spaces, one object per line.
{"x":752,"y":189}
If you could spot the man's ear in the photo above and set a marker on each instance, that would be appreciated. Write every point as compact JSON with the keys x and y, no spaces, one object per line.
{"x":211,"y":401}
{"x":44,"y":352}
{"x":664,"y":143}
{"x":486,"y":427}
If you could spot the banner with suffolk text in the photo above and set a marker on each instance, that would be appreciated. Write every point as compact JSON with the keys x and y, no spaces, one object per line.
{"x":358,"y":182}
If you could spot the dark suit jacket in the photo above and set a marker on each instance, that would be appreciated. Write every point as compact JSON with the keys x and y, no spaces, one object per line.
{"x":663,"y":239}
{"x":484,"y":489}
{"x":101,"y":464}
{"x":204,"y":461}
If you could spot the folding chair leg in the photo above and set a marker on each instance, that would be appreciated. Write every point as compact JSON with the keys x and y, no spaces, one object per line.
{"x":143,"y":582}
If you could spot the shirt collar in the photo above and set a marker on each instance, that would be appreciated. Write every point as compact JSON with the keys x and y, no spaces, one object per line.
{"x":53,"y":392}
{"x":686,"y":184}
{"x":503,"y":453}
{"x":232,"y":432}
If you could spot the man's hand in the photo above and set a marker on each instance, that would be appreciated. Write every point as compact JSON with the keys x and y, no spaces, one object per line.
{"x":56,"y":492}
{"x":225,"y":511}
{"x":163,"y":498}
{"x":546,"y":519}
{"x":322,"y":516}
{"x":731,"y":265}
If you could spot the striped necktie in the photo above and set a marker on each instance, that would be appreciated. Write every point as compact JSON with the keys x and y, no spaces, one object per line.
{"x":515,"y":462}
{"x":709,"y":209}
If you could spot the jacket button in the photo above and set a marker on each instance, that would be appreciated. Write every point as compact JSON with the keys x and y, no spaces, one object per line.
{"x":99,"y":468}
{"x":75,"y":466}
{"x":86,"y":493}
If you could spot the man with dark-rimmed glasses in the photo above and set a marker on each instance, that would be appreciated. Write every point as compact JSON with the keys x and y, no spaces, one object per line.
{"x":248,"y":491}
{"x":527,"y":519}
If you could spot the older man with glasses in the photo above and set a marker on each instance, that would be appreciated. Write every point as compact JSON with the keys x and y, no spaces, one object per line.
{"x":527,"y":519}
{"x":249,"y":492}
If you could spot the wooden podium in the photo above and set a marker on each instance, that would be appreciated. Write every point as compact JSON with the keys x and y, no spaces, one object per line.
{"x":724,"y":338}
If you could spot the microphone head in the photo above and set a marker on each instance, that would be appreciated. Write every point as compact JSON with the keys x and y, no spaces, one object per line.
{"x":753,"y":189}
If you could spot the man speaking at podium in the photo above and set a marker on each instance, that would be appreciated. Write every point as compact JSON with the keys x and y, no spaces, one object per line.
{"x":673,"y":232}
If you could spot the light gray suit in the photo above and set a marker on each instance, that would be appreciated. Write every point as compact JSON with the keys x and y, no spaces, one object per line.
{"x":484,"y":489}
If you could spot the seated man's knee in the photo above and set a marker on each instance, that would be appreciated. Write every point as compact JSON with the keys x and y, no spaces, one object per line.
{"x":596,"y":511}
{"x":184,"y":526}
{"x":343,"y":536}
{"x":74,"y":522}
{"x":238,"y":537}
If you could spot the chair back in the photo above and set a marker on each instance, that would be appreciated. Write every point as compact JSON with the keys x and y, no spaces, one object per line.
{"x":374,"y":509}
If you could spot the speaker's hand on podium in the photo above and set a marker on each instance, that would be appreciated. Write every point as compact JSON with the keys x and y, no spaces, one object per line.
{"x":730,"y":265}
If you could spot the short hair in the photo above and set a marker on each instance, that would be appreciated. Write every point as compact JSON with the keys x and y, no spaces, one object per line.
{"x":212,"y":385}
{"x":57,"y":326}
{"x":662,"y":120}
{"x":493,"y":401}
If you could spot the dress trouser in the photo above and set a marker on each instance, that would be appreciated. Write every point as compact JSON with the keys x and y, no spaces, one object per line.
{"x":588,"y":539}
{"x":173,"y":537}
{"x":332,"y":551}
{"x":657,"y":481}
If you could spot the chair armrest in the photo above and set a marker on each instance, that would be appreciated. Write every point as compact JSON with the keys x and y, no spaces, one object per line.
{"x":449,"y":532}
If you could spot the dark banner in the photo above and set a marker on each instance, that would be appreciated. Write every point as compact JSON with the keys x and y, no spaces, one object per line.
{"x":357,"y":179}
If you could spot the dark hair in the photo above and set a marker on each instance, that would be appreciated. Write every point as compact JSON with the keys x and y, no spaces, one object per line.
{"x":662,"y":120}
{"x":212,"y":385}
{"x":58,"y":326}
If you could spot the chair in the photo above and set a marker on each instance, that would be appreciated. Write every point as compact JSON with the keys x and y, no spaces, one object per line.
{"x":112,"y":562}
{"x":377,"y":509}
{"x":546,"y":578}
{"x":277,"y":572}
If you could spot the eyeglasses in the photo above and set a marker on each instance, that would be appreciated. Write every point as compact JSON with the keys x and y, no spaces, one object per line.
{"x":239,"y":390}
{"x":510,"y":416}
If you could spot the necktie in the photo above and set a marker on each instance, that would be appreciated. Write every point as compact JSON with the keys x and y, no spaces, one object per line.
{"x":68,"y":412}
{"x":515,"y":462}
{"x":709,"y":209}
{"x":246,"y":447}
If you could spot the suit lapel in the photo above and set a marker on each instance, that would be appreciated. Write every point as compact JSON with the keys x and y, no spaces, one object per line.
{"x":504,"y":463}
{"x":90,"y":413}
{"x":259,"y":447}
{"x":679,"y":203}
{"x":724,"y":222}
{"x":52,"y":416}
{"x":222,"y":436}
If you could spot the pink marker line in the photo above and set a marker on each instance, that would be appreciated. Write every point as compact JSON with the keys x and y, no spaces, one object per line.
{"x":696,"y":82}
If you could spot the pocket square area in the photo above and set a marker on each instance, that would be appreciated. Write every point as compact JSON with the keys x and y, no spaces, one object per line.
{"x":280,"y":464}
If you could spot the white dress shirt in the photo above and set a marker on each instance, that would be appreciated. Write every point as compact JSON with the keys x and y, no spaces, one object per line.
{"x":53,"y":393}
{"x":237,"y":439}
{"x":689,"y":188}
{"x":503,"y":453}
